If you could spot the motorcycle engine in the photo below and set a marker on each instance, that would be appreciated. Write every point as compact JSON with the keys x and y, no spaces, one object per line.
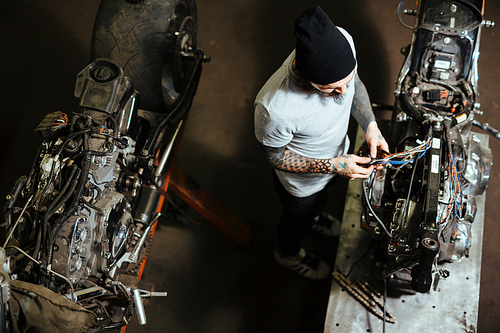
{"x":455,"y":240}
{"x":96,"y":236}
{"x":474,"y":160}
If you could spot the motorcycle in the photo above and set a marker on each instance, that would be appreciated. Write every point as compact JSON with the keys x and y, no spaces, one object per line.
{"x":420,"y":203}
{"x":78,"y":227}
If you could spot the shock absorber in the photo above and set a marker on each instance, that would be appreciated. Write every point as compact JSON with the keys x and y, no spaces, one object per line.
{"x":422,"y":274}
{"x":147,"y":205}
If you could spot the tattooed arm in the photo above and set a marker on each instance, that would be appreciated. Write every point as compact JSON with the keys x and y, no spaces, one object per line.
{"x":362,"y":112}
{"x":361,"y":107}
{"x":345,"y":165}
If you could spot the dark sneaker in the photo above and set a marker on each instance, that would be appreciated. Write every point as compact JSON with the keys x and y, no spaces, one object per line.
{"x":304,"y":264}
{"x":327,"y":225}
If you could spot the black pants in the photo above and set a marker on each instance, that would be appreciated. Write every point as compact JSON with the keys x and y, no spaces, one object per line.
{"x":298,"y":216}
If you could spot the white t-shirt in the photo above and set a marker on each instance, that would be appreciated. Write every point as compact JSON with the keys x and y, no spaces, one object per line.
{"x":311,"y":125}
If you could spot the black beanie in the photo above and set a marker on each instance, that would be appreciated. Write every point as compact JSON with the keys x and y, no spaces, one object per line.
{"x":323,"y":53}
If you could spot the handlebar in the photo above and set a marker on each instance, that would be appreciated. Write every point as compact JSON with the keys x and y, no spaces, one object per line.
{"x":487,"y":128}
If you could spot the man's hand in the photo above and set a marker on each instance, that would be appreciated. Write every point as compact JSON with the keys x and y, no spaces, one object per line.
{"x":349,"y":166}
{"x":375,"y":139}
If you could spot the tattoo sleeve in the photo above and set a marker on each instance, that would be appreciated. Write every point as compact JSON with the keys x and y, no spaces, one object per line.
{"x":286,"y":160}
{"x":361,"y":106}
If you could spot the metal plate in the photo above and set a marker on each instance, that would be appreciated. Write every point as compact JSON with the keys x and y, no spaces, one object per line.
{"x":450,"y":307}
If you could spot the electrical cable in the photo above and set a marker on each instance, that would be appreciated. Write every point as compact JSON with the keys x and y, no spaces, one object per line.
{"x":123,"y":142}
{"x":422,"y":149}
{"x":365,"y":191}
{"x":48,"y":269}
{"x":405,"y":157}
{"x":59,"y":151}
{"x":403,"y":212}
{"x":360,"y":258}
{"x":385,"y":302}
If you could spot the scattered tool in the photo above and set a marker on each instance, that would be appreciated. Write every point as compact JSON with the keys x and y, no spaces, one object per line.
{"x":365,"y":295}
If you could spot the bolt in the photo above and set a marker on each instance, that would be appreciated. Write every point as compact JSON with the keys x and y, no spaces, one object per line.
{"x":71,"y":145}
{"x":401,"y":117}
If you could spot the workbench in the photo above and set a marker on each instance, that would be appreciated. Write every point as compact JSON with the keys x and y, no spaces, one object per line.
{"x":450,"y":306}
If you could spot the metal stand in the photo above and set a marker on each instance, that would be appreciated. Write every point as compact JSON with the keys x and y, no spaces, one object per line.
{"x":193,"y":194}
{"x":205,"y":204}
{"x":450,"y":306}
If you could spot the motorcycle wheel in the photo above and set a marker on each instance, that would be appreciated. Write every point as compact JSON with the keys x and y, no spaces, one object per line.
{"x":148,"y":40}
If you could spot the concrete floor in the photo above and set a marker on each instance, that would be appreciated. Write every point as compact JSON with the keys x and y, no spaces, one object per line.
{"x":214,"y":285}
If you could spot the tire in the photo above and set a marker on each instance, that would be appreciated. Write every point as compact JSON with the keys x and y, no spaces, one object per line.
{"x":146,"y":39}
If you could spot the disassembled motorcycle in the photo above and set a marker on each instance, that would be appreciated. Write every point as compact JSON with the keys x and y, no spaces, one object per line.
{"x":80,"y":224}
{"x":421,"y":204}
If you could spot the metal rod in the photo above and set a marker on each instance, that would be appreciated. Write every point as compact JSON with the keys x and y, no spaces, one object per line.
{"x":139,"y":306}
{"x":166,"y":154}
{"x":48,"y":270}
{"x":17,"y":222}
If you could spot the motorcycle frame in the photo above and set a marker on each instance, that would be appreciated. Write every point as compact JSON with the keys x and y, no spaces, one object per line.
{"x":160,"y":144}
{"x":421,"y":125}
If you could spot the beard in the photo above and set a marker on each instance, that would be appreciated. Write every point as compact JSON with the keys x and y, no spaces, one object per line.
{"x":307,"y":87}
{"x":337,"y":97}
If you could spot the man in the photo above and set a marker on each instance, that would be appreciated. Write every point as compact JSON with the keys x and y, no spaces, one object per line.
{"x":301,"y":119}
